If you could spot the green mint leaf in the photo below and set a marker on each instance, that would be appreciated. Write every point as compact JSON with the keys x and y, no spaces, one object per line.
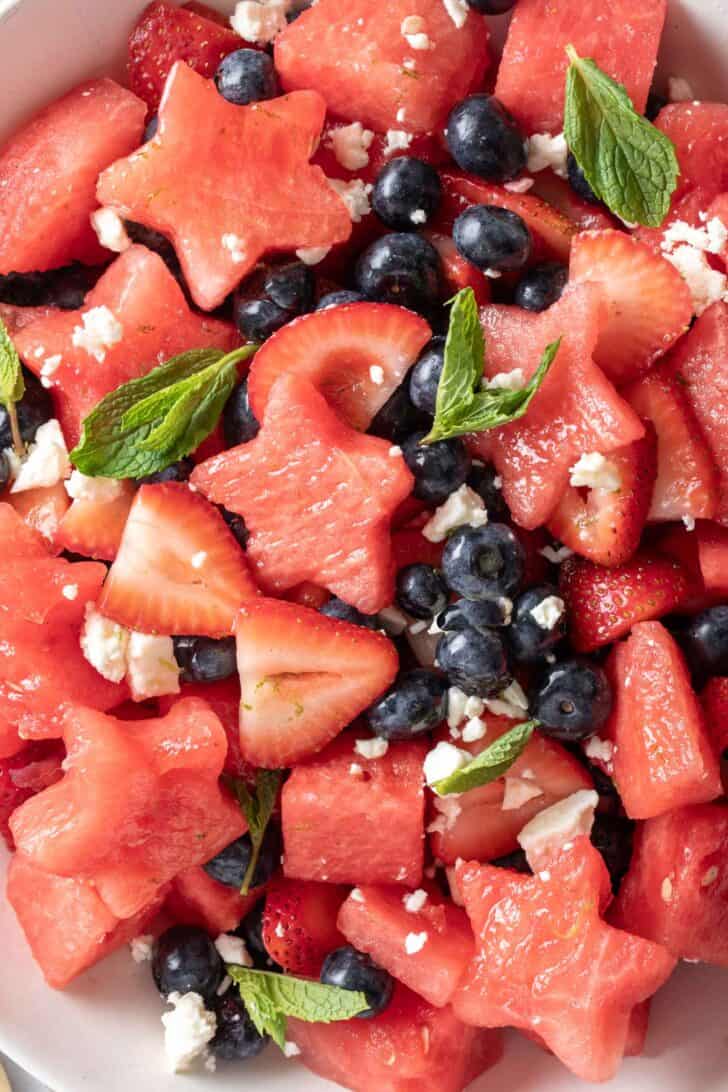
{"x":148,"y":423}
{"x":626,"y":160}
{"x":12,"y":387}
{"x":490,"y":764}
{"x":257,"y":808}
{"x":270,"y":998}
{"x":464,"y":355}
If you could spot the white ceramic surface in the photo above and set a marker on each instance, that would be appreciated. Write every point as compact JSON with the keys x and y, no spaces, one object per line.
{"x":104,"y":1034}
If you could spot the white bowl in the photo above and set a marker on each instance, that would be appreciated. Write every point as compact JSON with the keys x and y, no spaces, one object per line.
{"x":104,"y":1033}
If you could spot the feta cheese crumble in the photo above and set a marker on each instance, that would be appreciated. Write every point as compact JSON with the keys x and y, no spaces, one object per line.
{"x":556,"y":555}
{"x":234,"y":245}
{"x":47,"y":460}
{"x":688,"y":522}
{"x":376,"y":374}
{"x":100,"y":331}
{"x":548,"y":612}
{"x":356,"y":895}
{"x":152,"y":669}
{"x":105,"y":644}
{"x":414,"y":942}
{"x":419,"y":216}
{"x":518,"y":792}
{"x":396,"y":140}
{"x":110,"y":230}
{"x":545,"y":151}
{"x":291,"y":1050}
{"x":414,"y":31}
{"x":371,"y":748}
{"x":198,"y":560}
{"x":312,"y":255}
{"x":415,"y":901}
{"x":355,"y":195}
{"x":232,"y":949}
{"x":462,"y":508}
{"x":506,"y":381}
{"x":351,"y":145}
{"x":456,"y":702}
{"x":602,"y":750}
{"x":259,"y":22}
{"x":594,"y":471}
{"x":443,"y":760}
{"x":560,"y":823}
{"x":458,"y":11}
{"x":48,"y":369}
{"x":141,"y":948}
{"x":188,"y":1028}
{"x":707,"y":285}
{"x":97,"y":490}
{"x":511,"y":702}
{"x":70,"y":591}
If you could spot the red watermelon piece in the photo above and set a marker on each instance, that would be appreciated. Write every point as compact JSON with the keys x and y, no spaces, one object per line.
{"x":703,"y":553}
{"x":714,"y":699}
{"x":197,"y":899}
{"x":699,"y":131}
{"x":223,"y":697}
{"x":43,"y":509}
{"x":22,"y":775}
{"x":254,"y":204}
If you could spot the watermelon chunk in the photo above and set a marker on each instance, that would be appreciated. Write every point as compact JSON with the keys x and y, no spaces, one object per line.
{"x":699,"y":131}
{"x":223,"y":697}
{"x":197,"y":899}
{"x":43,"y":509}
{"x":32,"y":769}
{"x":622,"y":38}
{"x":370,"y":833}
{"x":48,"y":173}
{"x":714,"y":699}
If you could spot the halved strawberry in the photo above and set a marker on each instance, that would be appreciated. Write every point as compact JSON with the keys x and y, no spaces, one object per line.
{"x":603,"y":604}
{"x":299,"y":923}
{"x":715,"y":705}
{"x":94,"y":528}
{"x":687,"y":478}
{"x":457,"y":272}
{"x":606,"y":526}
{"x":356,"y":356}
{"x":648,"y":302}
{"x":179,"y":569}
{"x":43,"y":509}
{"x":304,"y":677}
{"x":703,"y":553}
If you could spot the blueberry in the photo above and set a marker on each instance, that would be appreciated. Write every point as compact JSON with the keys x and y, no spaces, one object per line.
{"x":34,"y":409}
{"x":337,"y":608}
{"x":399,"y":417}
{"x":5,"y":471}
{"x":439,"y":469}
{"x":186,"y":961}
{"x":236,"y":524}
{"x":64,"y":288}
{"x":247,"y":75}
{"x":578,"y":182}
{"x":400,"y":268}
{"x":529,"y":640}
{"x":425,"y":376}
{"x":292,"y":286}
{"x":235,"y":1035}
{"x":175,"y":472}
{"x":572,"y":700}
{"x":706,"y":642}
{"x":150,"y":129}
{"x":475,"y":660}
{"x":352,"y":970}
{"x":338,"y":299}
{"x":655,"y":103}
{"x":204,"y":659}
{"x":484,"y":480}
{"x":258,"y":318}
{"x":476,"y":614}
{"x":491,"y":7}
{"x":407,"y":193}
{"x":239,"y":423}
{"x":154,"y":240}
{"x":612,"y":835}
{"x":492,"y":238}
{"x":421,"y":591}
{"x":541,"y":286}
{"x":484,"y":138}
{"x":266,"y":303}
{"x":231,"y":863}
{"x":484,"y":562}
{"x":416,"y":703}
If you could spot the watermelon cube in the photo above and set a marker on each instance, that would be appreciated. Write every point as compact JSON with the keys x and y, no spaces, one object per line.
{"x":699,"y":131}
{"x":197,"y":899}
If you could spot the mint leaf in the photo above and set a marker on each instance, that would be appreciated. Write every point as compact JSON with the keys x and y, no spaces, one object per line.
{"x":257,"y":808}
{"x":491,"y":763}
{"x":12,"y":385}
{"x":626,"y":160}
{"x":149,"y":423}
{"x":270,"y":998}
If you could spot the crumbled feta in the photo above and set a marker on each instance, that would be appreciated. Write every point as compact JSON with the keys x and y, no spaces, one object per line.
{"x":351,"y":145}
{"x":259,"y":22}
{"x":105,"y":644}
{"x":414,"y":30}
{"x":707,"y":285}
{"x":48,"y":369}
{"x":312,"y":255}
{"x":554,"y":555}
{"x":393,"y":620}
{"x":546,"y":151}
{"x":291,"y":1050}
{"x":456,"y":703}
{"x":356,"y":895}
{"x":47,"y":460}
{"x":474,"y":706}
{"x":518,"y":792}
{"x":679,"y":90}
{"x":376,"y":374}
{"x":548,"y":612}
{"x":601,"y":750}
{"x":443,"y":760}
{"x":414,"y":942}
{"x":666,"y":889}
{"x":152,"y":669}
{"x":198,"y":560}
{"x":415,"y":901}
{"x":141,"y":948}
{"x":396,"y":140}
{"x":234,"y":244}
{"x":100,"y":331}
{"x":110,"y":230}
{"x":97,"y":490}
{"x":506,"y":381}
{"x":594,"y":471}
{"x":519,"y":185}
{"x":355,"y":195}
{"x":232,"y":949}
{"x":544,"y":876}
{"x":711,"y":237}
{"x":356,"y":770}
{"x":462,"y":508}
{"x":511,"y":702}
{"x":188,"y":1028}
{"x":371,"y":748}
{"x":458,"y":11}
{"x":419,"y":216}
{"x":560,"y":823}
{"x":688,"y":522}
{"x":400,"y":115}
{"x":70,"y":591}
{"x":475,"y":729}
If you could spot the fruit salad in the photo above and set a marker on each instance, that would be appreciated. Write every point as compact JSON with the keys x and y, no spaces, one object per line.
{"x":364,"y":509}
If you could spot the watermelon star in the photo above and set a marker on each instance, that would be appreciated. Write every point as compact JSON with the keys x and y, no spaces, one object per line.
{"x":228,"y":183}
{"x":316,"y":496}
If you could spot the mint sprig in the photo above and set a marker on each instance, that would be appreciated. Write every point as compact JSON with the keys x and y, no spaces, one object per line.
{"x":147,"y":424}
{"x":257,"y":808}
{"x":490,"y":764}
{"x":629,"y":164}
{"x":270,"y":998}
{"x":12,"y":385}
{"x":462,"y":406}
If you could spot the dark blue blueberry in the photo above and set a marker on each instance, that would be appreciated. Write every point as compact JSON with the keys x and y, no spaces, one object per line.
{"x":338,"y":299}
{"x":439,"y":469}
{"x":706,"y":642}
{"x":247,"y":75}
{"x":484,"y":480}
{"x":337,"y":608}
{"x":204,"y":659}
{"x":399,"y":417}
{"x":476,"y":614}
{"x":578,"y":182}
{"x":236,"y":524}
{"x":34,"y":409}
{"x":492,"y":238}
{"x":425,"y":376}
{"x":484,"y":562}
{"x":484,"y":138}
{"x":491,"y":7}
{"x":251,"y":931}
{"x":416,"y":703}
{"x":235,"y":1035}
{"x":528,"y":640}
{"x":407,"y":193}
{"x":185,"y":960}
{"x":475,"y":660}
{"x":572,"y":700}
{"x":154,"y":240}
{"x":150,"y":129}
{"x":612,"y":835}
{"x":541,"y":286}
{"x":401,"y":268}
{"x":655,"y":103}
{"x":293,"y":13}
{"x":257,"y":318}
{"x":5,"y":470}
{"x":239,"y":423}
{"x":175,"y":472}
{"x":292,"y":286}
{"x":267,"y":302}
{"x":64,"y":288}
{"x":231,"y":863}
{"x":421,"y":591}
{"x":515,"y":861}
{"x":352,"y":970}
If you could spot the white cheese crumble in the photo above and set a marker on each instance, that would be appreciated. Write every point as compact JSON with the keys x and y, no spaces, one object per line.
{"x":259,"y":22}
{"x":351,"y":145}
{"x":80,"y":487}
{"x":188,"y":1028}
{"x":376,"y":374}
{"x":679,"y":90}
{"x":548,"y":612}
{"x":356,"y":895}
{"x":105,"y":644}
{"x":141,"y":948}
{"x":712,"y":236}
{"x":100,"y":331}
{"x":601,"y":750}
{"x":474,"y":730}
{"x":458,"y":11}
{"x":554,"y":555}
{"x":232,"y":949}
{"x":395,"y":451}
{"x":511,"y":702}
{"x":70,"y":592}
{"x":355,"y":770}
{"x":546,"y":151}
{"x":560,"y":823}
{"x":594,"y":471}
{"x":419,"y":216}
{"x":49,"y":368}
{"x":396,"y":140}
{"x":443,"y":760}
{"x":688,"y":522}
{"x":462,"y":508}
{"x":518,"y":792}
{"x":415,"y":901}
{"x":506,"y":381}
{"x":414,"y":942}
{"x":707,"y":285}
{"x":198,"y":560}
{"x":456,"y":702}
{"x":371,"y":748}
{"x":152,"y":670}
{"x":291,"y":1050}
{"x":235,"y":246}
{"x":47,"y":460}
{"x":414,"y":31}
{"x":110,"y":230}
{"x":355,"y":195}
{"x":312,"y":255}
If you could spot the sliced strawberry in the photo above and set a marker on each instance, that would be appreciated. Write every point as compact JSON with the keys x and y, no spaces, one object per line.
{"x":94,"y":528}
{"x":604,"y":525}
{"x":223,"y":697}
{"x":603,"y":604}
{"x":43,"y":509}
{"x":165,"y":34}
{"x":179,"y":569}
{"x":356,"y":356}
{"x":456,"y":271}
{"x":687,"y":477}
{"x":703,"y":552}
{"x":304,"y":677}
{"x":715,"y":705}
{"x":648,"y":302}
{"x":316,"y":497}
{"x":299,"y":924}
